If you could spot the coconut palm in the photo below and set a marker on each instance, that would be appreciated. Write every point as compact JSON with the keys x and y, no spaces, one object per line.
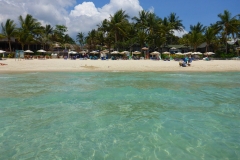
{"x":167,"y":28}
{"x":103,"y":26}
{"x":80,"y":38}
{"x":197,"y":28}
{"x":8,"y":31}
{"x":195,"y":39}
{"x":176,"y":23}
{"x":117,"y":24}
{"x":141,"y":20}
{"x":22,"y":37}
{"x":59,"y":33}
{"x":228,"y":24}
{"x":209,"y":36}
{"x":29,"y":26}
{"x":43,"y":35}
{"x":91,"y":39}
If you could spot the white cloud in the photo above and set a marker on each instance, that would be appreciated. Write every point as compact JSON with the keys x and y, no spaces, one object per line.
{"x":179,"y":33}
{"x":82,"y":18}
{"x":151,"y":9}
{"x":86,"y":16}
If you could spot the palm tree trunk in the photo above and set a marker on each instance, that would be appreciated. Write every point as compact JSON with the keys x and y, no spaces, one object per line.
{"x":116,"y":40}
{"x":9,"y":44}
{"x":226,"y":43}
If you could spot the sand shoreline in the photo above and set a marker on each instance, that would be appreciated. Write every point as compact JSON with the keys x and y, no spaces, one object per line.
{"x":61,"y":65}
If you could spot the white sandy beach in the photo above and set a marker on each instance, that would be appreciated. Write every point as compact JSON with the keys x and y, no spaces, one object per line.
{"x":13,"y":65}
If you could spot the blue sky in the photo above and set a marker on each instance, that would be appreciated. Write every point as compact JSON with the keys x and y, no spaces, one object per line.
{"x":189,"y":11}
{"x":83,"y":16}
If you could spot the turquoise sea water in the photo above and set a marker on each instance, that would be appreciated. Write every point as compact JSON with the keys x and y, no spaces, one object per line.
{"x":120,"y":116}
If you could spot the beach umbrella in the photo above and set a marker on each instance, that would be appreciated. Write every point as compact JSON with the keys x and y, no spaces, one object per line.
{"x":144,"y":48}
{"x":28,"y":51}
{"x":136,"y":52}
{"x":114,"y":52}
{"x":209,"y":53}
{"x":179,"y":53}
{"x":1,"y":51}
{"x":94,"y":52}
{"x":72,"y":52}
{"x":166,"y":53}
{"x":124,"y":52}
{"x":41,"y":51}
{"x":155,"y":53}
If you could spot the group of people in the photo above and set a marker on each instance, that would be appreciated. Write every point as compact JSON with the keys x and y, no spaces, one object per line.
{"x":185,"y":62}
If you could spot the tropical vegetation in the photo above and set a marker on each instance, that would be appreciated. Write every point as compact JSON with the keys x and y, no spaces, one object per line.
{"x":122,"y":32}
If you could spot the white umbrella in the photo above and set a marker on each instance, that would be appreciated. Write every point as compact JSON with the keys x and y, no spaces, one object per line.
{"x":188,"y":53}
{"x":144,"y":48}
{"x":179,"y":53}
{"x":115,"y":52}
{"x":41,"y":51}
{"x":94,"y":52}
{"x":72,"y":52}
{"x":136,"y":52}
{"x":124,"y":52}
{"x":155,"y":53}
{"x":1,"y":51}
{"x":28,"y":51}
{"x":209,"y":53}
{"x":166,"y":53}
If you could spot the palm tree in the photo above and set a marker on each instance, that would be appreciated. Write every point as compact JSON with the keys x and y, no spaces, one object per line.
{"x":44,"y":35}
{"x":117,"y":24}
{"x":48,"y":30}
{"x":228,"y":24}
{"x":59,"y":33}
{"x":209,"y":36}
{"x":176,"y":23}
{"x":141,"y":21}
{"x":30,"y":26}
{"x":80,"y":38}
{"x":167,"y":28}
{"x":8,"y":31}
{"x":21,"y":37}
{"x":195,"y":39}
{"x":91,"y":39}
{"x":197,"y":28}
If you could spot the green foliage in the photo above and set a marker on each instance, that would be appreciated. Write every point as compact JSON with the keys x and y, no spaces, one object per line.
{"x":224,"y":55}
{"x":11,"y":55}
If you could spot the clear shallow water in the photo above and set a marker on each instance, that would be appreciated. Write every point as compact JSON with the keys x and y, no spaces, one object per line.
{"x":120,"y":116}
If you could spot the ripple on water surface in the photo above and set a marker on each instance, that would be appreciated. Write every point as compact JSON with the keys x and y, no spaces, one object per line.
{"x":120,"y":116}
